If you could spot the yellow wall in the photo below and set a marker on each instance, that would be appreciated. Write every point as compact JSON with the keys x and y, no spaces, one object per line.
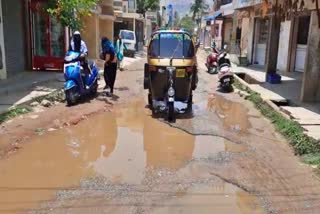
{"x":106,"y":28}
{"x":90,"y":34}
{"x":94,"y":29}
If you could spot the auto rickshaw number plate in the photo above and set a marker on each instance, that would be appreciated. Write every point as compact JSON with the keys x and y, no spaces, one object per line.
{"x":180,"y":73}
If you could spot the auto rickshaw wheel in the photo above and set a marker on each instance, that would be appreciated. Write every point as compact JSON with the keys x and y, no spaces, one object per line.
{"x":171,"y":113}
{"x":190,"y":102}
{"x":150,"y":101}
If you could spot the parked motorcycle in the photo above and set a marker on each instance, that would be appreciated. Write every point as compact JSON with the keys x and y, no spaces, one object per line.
{"x":78,"y":82}
{"x":212,"y":61}
{"x":225,"y":74}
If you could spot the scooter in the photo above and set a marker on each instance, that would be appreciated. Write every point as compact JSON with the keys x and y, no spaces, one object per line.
{"x":78,"y":82}
{"x":212,"y":61}
{"x":225,"y":74}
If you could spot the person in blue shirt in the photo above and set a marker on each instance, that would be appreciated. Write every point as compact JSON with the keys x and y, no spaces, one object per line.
{"x":110,"y":65}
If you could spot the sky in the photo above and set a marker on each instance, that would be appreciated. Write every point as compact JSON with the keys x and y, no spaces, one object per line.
{"x":182,"y":6}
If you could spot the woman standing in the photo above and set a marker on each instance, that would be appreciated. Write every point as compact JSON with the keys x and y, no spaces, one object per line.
{"x":119,"y":49}
{"x":110,"y":65}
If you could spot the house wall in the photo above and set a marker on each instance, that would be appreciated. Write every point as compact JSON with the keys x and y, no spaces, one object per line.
{"x":218,"y":35}
{"x":106,"y":28}
{"x":13,"y":28}
{"x":310,"y":86}
{"x":91,"y":35}
{"x":250,"y":40}
{"x":284,"y":42}
{"x":245,"y":31}
{"x":3,"y":72}
{"x":227,"y":31}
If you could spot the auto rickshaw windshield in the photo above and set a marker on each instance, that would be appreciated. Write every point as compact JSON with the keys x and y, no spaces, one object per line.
{"x":171,"y":45}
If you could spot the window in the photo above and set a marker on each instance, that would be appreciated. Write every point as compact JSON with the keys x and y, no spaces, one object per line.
{"x":117,"y":3}
{"x":167,"y":45}
{"x":303,"y":30}
{"x":127,"y":35}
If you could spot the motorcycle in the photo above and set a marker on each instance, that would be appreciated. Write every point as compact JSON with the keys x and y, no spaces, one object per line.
{"x":212,"y":61}
{"x":78,"y":82}
{"x":225,"y":74}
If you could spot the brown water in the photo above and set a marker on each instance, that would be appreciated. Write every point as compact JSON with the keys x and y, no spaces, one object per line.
{"x":119,"y":146}
{"x":234,"y":115}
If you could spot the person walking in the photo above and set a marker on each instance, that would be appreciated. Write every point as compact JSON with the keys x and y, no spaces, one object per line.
{"x":110,"y":65}
{"x":120,"y":47}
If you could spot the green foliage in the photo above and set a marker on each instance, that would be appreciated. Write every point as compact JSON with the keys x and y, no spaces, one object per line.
{"x":14,"y":112}
{"x":187,"y":23}
{"x":290,"y":129}
{"x":199,"y":8}
{"x":69,"y":12}
{"x":144,"y":5}
{"x":56,"y":96}
{"x":313,"y":159}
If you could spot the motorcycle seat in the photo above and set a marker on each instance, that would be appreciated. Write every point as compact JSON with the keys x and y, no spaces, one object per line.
{"x":224,"y":65}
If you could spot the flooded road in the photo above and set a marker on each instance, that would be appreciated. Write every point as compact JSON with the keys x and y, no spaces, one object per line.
{"x":126,"y":146}
{"x":111,"y":156}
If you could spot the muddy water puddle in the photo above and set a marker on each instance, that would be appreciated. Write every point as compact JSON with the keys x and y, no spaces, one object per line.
{"x":206,"y":199}
{"x":119,"y":146}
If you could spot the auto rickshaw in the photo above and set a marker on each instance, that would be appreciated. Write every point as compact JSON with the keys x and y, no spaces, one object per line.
{"x":170,"y":74}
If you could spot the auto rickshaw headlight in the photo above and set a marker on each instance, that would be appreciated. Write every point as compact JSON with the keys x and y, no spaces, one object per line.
{"x":171,"y":70}
{"x":171,"y":92}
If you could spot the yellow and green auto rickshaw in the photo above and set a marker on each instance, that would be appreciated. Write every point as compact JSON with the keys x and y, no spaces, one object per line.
{"x":170,"y":74}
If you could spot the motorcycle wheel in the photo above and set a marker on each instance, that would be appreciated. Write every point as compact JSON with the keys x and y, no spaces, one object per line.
{"x":215,"y":70}
{"x":227,"y":87}
{"x":71,"y":96}
{"x":171,"y":113}
{"x":95,"y":88}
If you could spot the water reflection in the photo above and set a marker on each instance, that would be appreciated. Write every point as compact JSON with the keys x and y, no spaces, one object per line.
{"x":234,"y":115}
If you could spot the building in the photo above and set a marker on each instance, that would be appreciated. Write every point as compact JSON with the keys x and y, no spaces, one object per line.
{"x":151,"y":24}
{"x":220,"y":23}
{"x":129,"y":19}
{"x":295,"y":40}
{"x":31,"y":40}
{"x":98,"y":25}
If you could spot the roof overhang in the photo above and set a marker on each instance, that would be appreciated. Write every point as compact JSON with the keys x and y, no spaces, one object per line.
{"x":213,"y":17}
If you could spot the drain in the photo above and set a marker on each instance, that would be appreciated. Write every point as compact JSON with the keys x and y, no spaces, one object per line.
{"x":248,"y":79}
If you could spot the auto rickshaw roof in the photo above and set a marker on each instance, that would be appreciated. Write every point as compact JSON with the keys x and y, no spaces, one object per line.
{"x":171,"y":30}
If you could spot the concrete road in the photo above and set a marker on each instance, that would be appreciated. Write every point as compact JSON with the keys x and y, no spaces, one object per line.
{"x":109,"y":155}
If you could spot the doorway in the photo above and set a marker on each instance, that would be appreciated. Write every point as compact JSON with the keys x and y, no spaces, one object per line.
{"x":260,"y":41}
{"x":48,"y":39}
{"x":303,"y":23}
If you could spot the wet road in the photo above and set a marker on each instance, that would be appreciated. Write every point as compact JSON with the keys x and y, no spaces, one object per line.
{"x":222,"y":158}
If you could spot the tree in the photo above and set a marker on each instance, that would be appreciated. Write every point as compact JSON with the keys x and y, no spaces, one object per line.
{"x":144,"y":5}
{"x":198,"y":8}
{"x":187,"y":23}
{"x":176,"y":19}
{"x":69,"y":12}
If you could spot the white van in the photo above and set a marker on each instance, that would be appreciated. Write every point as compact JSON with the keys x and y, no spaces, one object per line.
{"x":129,"y":39}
